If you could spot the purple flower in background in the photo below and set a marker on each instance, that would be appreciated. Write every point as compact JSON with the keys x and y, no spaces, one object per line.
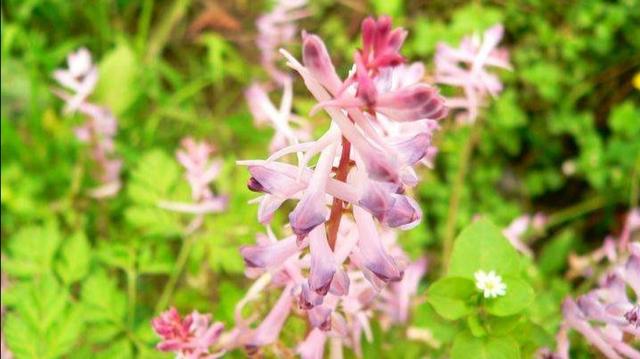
{"x":80,"y":78}
{"x":466,"y":67}
{"x":519,"y":227}
{"x":189,"y":337}
{"x":101,"y":125}
{"x":276,"y":29}
{"x":607,"y":316}
{"x":201,"y":171}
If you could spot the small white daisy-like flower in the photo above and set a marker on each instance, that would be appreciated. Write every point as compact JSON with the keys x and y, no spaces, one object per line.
{"x":490,"y":284}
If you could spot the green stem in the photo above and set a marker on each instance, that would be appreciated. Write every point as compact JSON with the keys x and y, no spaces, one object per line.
{"x":144,"y":22}
{"x":132,"y":284}
{"x":183,"y":255}
{"x":635,"y":185}
{"x":569,"y":213}
{"x":163,"y":30}
{"x":456,"y":192}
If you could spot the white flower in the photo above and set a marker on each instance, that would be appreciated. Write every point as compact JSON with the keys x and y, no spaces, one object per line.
{"x":490,"y":283}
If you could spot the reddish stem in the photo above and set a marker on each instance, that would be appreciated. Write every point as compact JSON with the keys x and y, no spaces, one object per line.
{"x":337,"y":206}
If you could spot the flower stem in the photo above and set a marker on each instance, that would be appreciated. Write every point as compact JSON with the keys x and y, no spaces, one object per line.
{"x":132,"y":284}
{"x":337,"y":206}
{"x":456,"y":192}
{"x":569,"y":213}
{"x":167,"y":292}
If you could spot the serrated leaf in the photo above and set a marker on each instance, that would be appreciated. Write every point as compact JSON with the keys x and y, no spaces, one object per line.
{"x":31,"y":251}
{"x":482,"y":246}
{"x":43,"y":324}
{"x":74,"y":260}
{"x":157,"y":260}
{"x":450,"y":297}
{"x":102,"y":300}
{"x":155,"y":179}
{"x":466,"y":345}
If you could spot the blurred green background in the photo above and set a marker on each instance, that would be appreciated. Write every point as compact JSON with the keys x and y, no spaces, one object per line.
{"x":86,"y":276}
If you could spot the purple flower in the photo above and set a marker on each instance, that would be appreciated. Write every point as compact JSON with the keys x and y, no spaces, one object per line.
{"x":466,"y":67}
{"x":101,"y":126}
{"x":350,"y":188}
{"x":607,"y":316}
{"x":190,"y":337}
{"x":201,"y":171}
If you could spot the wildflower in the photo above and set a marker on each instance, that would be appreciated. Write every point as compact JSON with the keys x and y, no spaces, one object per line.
{"x":607,"y":315}
{"x":275,"y":29}
{"x":201,"y":171}
{"x":341,"y":265}
{"x":466,"y":67}
{"x":101,"y":126}
{"x":490,"y":284}
{"x":189,"y":337}
{"x":80,"y":77}
{"x":517,"y":229}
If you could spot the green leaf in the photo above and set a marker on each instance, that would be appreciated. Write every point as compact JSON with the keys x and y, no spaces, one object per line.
{"x":518,"y":297}
{"x":102,"y":300}
{"x":465,"y":345}
{"x":156,"y":260}
{"x":498,"y":326}
{"x":481,"y":246}
{"x":118,"y":85}
{"x":31,"y":251}
{"x":148,"y":188}
{"x":73,"y":264}
{"x":120,"y":349}
{"x":450,"y":297}
{"x":43,"y":323}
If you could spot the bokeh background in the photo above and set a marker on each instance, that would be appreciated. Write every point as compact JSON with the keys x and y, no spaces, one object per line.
{"x":84,"y":277}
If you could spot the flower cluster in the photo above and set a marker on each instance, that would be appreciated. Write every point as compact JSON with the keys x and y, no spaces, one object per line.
{"x":201,"y":171}
{"x":189,"y":337}
{"x":276,"y":29}
{"x":342,"y":262}
{"x":342,"y":314}
{"x":608,"y":316}
{"x":101,"y":126}
{"x":466,"y":67}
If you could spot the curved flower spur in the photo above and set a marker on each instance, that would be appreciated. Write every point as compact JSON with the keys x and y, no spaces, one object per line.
{"x":382,"y":122}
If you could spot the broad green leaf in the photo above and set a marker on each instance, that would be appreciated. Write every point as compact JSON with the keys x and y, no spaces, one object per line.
{"x":481,"y":246}
{"x":118,"y":85}
{"x":31,"y":251}
{"x":518,"y":297}
{"x":475,"y":326}
{"x":498,"y":326}
{"x":74,"y":260}
{"x":465,"y":346}
{"x":450,"y":297}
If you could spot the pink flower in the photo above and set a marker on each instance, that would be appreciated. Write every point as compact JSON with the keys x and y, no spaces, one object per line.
{"x":519,"y":227}
{"x":101,"y":126}
{"x":607,"y":315}
{"x":466,"y":67}
{"x":276,"y":29}
{"x":201,"y":171}
{"x":80,"y":78}
{"x":339,"y":267}
{"x":190,"y":337}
